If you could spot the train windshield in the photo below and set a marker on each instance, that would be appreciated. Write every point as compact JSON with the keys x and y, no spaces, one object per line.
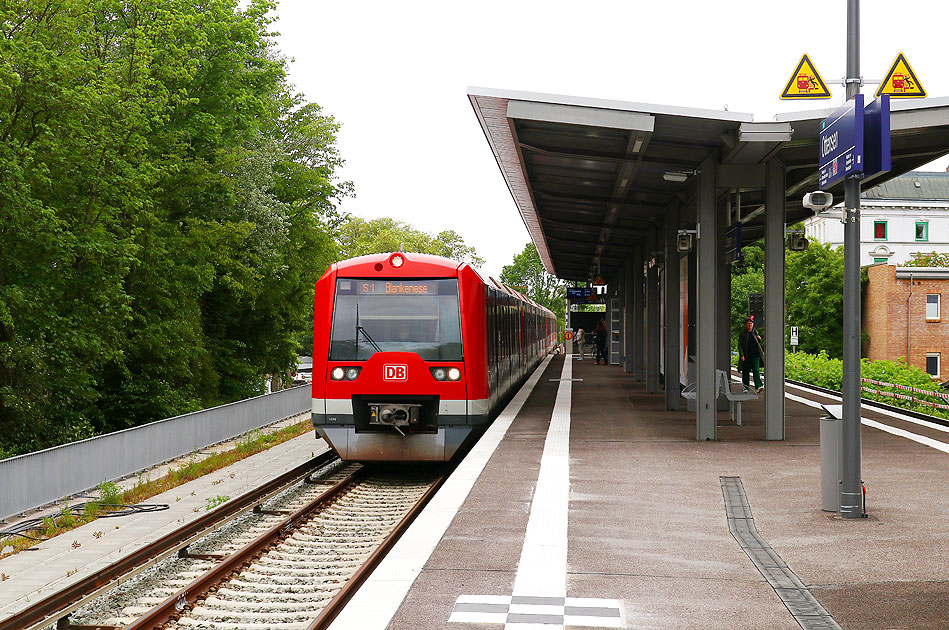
{"x":420,"y":316}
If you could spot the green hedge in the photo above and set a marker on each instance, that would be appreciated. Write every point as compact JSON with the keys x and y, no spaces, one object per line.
{"x":821,"y":370}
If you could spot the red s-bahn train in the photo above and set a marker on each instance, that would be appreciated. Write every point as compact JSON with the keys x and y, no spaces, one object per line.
{"x":413,"y":355}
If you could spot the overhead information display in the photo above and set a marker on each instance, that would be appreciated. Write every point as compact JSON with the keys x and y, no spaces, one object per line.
{"x":805,"y":82}
{"x":901,"y":81}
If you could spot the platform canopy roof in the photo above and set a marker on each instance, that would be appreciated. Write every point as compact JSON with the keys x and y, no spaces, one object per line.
{"x":591,"y":176}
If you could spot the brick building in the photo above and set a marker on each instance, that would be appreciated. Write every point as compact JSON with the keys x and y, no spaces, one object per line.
{"x":903,"y":316}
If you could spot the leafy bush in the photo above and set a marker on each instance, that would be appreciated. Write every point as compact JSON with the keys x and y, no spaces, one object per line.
{"x":110,"y":493}
{"x":823,"y":371}
{"x":816,"y":369}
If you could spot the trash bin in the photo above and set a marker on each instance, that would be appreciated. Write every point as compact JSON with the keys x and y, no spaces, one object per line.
{"x":831,"y":427}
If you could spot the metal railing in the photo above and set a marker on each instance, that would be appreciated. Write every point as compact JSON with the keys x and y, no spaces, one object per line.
{"x":34,"y":479}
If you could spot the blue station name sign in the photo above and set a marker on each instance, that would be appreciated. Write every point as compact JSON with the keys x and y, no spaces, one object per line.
{"x":841,"y":143}
{"x":855,"y":140}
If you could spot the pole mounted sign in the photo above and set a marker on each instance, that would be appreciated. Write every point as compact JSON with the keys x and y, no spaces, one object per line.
{"x":876,"y":136}
{"x":805,"y":82}
{"x":841,"y":143}
{"x":855,"y":140}
{"x":794,"y":331}
{"x":901,"y":81}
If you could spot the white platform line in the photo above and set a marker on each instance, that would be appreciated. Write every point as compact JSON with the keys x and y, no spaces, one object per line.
{"x":542,"y":570}
{"x":922,"y":439}
{"x":377,"y":601}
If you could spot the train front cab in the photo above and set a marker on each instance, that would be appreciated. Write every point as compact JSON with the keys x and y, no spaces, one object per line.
{"x":404,"y":334}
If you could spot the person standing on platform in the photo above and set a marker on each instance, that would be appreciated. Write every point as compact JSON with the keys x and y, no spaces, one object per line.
{"x":599,"y":342}
{"x":581,"y":341}
{"x":750,"y":354}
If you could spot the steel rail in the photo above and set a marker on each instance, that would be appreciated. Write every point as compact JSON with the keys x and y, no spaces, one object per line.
{"x":875,"y":403}
{"x":55,"y":607}
{"x":342,"y":597}
{"x":199,"y":588}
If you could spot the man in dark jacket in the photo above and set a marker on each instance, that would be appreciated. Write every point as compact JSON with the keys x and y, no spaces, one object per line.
{"x":599,"y":343}
{"x":750,"y":354}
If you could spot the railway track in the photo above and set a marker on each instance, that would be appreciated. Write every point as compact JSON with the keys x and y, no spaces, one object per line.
{"x":286,"y":555}
{"x":290,"y":563}
{"x":295,"y":574}
{"x":55,"y":609}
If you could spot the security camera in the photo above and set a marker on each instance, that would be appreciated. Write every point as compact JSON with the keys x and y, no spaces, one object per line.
{"x":818,"y":200}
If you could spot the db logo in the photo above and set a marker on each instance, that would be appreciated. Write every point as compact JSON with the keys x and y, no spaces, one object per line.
{"x":394,"y":372}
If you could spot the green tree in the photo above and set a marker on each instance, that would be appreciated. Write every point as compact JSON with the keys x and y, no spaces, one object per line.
{"x":359,"y":237}
{"x":527,"y":272}
{"x":814,"y":297}
{"x":166,"y":205}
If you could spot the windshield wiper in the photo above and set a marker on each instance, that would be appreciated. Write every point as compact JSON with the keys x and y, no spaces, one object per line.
{"x":360,"y":329}
{"x":368,"y":338}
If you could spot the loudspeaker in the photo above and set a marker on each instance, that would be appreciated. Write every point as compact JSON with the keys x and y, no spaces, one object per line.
{"x":797,"y":242}
{"x":684,"y":244}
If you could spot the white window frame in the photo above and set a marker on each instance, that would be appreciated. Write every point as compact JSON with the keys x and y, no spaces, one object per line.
{"x":938,"y":307}
{"x":938,"y":364}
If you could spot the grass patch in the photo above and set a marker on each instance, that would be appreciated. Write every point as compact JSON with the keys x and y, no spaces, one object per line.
{"x":111,"y":495}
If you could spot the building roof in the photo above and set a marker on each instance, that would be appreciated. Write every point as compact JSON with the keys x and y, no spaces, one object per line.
{"x":923,"y":273}
{"x":590,"y":177}
{"x":913,"y":186}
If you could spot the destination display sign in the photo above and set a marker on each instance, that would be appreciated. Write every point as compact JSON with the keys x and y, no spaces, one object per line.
{"x":579,"y":293}
{"x":841,"y":143}
{"x":397,"y":287}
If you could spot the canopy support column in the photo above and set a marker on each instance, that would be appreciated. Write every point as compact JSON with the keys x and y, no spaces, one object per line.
{"x":672,"y":349}
{"x":724,"y":304}
{"x":652,"y":313}
{"x":706,"y":333}
{"x":774,"y":301}
{"x":639,"y":295}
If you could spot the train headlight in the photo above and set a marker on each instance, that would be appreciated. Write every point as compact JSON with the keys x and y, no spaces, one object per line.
{"x":397,"y":261}
{"x":345,"y":373}
{"x":446,"y":373}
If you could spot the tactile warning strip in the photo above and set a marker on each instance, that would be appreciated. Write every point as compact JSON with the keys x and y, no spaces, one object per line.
{"x":803,"y":606}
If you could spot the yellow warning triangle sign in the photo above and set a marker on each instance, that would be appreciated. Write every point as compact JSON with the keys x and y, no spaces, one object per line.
{"x":598,"y":282}
{"x":901,"y":81}
{"x":805,"y":82}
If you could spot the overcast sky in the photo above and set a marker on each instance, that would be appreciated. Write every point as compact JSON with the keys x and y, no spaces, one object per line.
{"x":395,"y":75}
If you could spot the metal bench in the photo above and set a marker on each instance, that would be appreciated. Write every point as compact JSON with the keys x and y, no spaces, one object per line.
{"x":735,"y":398}
{"x":688,"y":392}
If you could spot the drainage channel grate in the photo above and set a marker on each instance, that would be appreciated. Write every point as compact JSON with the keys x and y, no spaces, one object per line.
{"x":803,"y":606}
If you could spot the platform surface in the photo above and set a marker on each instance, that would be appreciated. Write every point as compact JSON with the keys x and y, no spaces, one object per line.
{"x":646,"y":525}
{"x":69,"y":557}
